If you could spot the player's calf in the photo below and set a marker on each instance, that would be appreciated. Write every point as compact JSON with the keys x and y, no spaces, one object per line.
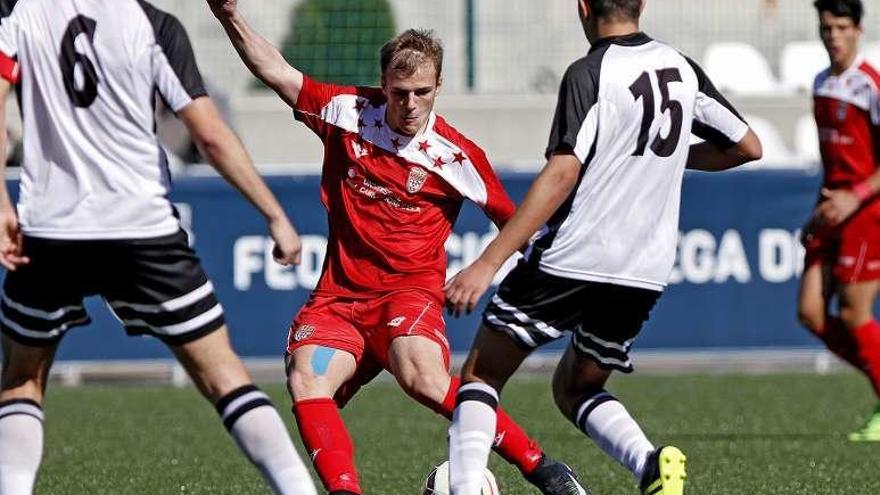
{"x":21,"y":445}
{"x":254,"y":423}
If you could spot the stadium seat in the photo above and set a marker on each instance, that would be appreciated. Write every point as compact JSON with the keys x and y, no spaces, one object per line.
{"x":799,"y":64}
{"x":739,"y":68}
{"x":872,"y":53}
{"x":776,"y":153}
{"x":806,"y":140}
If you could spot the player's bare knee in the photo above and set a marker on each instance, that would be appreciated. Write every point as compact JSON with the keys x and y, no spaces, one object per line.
{"x":853,"y":317}
{"x":426,"y":386}
{"x":813,"y":319}
{"x":303,"y":383}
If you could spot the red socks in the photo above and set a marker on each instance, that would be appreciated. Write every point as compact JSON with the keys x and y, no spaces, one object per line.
{"x":867,"y":337}
{"x":841,"y":341}
{"x":328,"y":443}
{"x":511,"y":442}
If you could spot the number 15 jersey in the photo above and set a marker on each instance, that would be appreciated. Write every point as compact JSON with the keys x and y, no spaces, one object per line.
{"x":87,"y":73}
{"x":627,"y":110}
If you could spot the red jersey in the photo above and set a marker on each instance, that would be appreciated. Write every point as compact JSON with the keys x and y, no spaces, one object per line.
{"x":391,"y":199}
{"x":847,"y":111}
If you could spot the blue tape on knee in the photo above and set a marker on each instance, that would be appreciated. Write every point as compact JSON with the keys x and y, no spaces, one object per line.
{"x":321,"y":359}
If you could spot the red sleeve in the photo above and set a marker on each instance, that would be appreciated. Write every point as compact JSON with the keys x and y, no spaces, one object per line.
{"x":499,"y":207}
{"x":9,"y":68}
{"x":321,"y":106}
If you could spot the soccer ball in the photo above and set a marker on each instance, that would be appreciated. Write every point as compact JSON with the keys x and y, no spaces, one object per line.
{"x":437,"y":482}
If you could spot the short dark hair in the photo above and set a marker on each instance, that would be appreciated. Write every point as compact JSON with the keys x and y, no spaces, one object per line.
{"x":628,"y":9}
{"x":842,"y":8}
{"x":407,"y":51}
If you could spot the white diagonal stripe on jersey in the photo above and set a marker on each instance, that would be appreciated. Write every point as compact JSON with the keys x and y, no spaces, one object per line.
{"x":604,"y":343}
{"x":171,"y":304}
{"x":182,"y":327}
{"x":602,"y":359}
{"x":41,"y":335}
{"x":38,"y":313}
{"x":549,"y":330}
{"x":518,"y":330}
{"x":244,"y":399}
{"x":586,"y":405}
{"x":23,"y":409}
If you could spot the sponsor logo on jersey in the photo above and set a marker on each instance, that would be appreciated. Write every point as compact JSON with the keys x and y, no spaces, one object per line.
{"x":359,"y":150}
{"x":303,"y":332}
{"x":396,"y":322}
{"x":416,"y":179}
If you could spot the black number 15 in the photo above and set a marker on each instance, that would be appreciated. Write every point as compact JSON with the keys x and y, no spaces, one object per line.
{"x":641,"y":88}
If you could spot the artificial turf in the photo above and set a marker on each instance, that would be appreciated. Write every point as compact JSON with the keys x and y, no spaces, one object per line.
{"x":773,"y":434}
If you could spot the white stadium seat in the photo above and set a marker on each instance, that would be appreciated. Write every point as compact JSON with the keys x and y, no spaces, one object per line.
{"x":806,"y":139}
{"x":799,"y":64}
{"x":872,"y":53}
{"x":739,"y":68}
{"x":776,"y":153}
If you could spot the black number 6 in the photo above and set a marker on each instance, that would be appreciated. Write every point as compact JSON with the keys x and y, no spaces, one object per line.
{"x":69,"y":58}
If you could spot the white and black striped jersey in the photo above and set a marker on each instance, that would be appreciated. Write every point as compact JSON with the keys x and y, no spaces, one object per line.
{"x":89,"y":73}
{"x":627,"y":110}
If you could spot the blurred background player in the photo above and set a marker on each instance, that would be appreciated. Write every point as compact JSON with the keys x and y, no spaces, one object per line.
{"x":94,"y":218}
{"x":608,"y":201}
{"x":394,"y":177}
{"x":842,"y":239}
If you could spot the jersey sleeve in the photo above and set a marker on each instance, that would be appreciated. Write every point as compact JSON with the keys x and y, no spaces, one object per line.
{"x":715,"y":119}
{"x":498,"y":206}
{"x":175,"y":71}
{"x":324,"y":106}
{"x":578,"y":94}
{"x":9,"y":31}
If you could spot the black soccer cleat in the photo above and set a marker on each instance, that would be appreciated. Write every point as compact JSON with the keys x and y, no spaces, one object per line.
{"x":556,"y":478}
{"x":664,"y":472}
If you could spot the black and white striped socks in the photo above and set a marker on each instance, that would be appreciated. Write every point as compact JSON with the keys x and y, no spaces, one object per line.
{"x":254,"y":423}
{"x":21,"y":445}
{"x":604,"y":419}
{"x":471,"y":436}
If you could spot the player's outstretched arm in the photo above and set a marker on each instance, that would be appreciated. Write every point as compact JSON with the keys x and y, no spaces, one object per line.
{"x":547,"y":193}
{"x":260,"y":56}
{"x":222,"y":148}
{"x":11,"y":255}
{"x":710,"y":158}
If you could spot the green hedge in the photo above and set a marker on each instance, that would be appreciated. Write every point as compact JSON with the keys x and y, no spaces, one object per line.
{"x":339,"y":40}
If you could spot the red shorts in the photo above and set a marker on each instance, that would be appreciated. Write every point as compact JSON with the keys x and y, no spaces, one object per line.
{"x":366,"y":327}
{"x":852,"y":250}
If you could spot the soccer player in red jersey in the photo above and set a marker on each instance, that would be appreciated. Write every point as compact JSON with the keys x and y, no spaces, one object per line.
{"x":842,"y":239}
{"x":394,"y":177}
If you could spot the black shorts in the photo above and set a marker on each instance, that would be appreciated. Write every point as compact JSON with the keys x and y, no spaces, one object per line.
{"x":153,"y":286}
{"x":535,"y":308}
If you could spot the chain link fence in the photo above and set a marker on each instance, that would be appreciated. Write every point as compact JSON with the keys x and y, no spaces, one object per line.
{"x":492,"y":46}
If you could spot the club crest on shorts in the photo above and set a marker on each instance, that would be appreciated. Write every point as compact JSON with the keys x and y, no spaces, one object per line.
{"x":303,"y":332}
{"x":416,"y":179}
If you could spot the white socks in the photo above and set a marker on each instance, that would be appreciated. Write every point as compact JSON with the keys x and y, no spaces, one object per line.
{"x":607,"y":422}
{"x":471,"y":436}
{"x":21,"y":445}
{"x":260,"y":433}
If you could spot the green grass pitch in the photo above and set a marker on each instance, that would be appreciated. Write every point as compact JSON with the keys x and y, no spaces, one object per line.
{"x":777,"y":434}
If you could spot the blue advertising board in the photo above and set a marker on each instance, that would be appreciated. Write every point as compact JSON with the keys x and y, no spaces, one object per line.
{"x":733,"y":286}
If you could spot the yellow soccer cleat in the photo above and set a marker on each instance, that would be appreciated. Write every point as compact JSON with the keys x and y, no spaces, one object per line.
{"x":664,"y":472}
{"x":870,"y":432}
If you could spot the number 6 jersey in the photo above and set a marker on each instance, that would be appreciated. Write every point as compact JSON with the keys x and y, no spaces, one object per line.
{"x":627,"y":110}
{"x":87,"y":73}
